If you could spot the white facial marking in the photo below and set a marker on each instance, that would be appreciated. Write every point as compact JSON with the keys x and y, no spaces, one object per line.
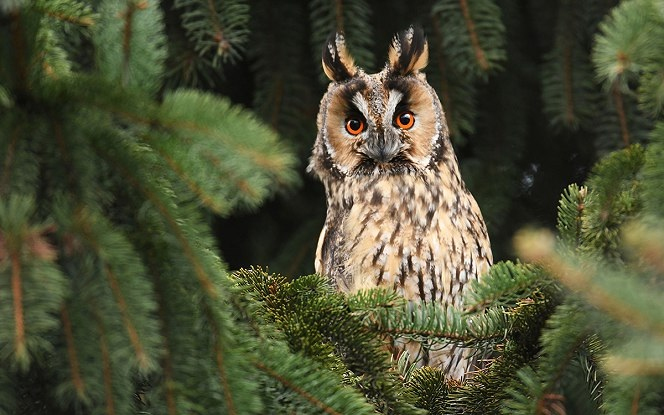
{"x":361,"y":104}
{"x":393,"y":99}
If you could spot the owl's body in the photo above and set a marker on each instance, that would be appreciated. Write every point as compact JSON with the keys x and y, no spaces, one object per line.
{"x":399,"y":214}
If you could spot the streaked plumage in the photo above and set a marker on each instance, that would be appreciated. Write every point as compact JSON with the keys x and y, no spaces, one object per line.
{"x":399,"y":214}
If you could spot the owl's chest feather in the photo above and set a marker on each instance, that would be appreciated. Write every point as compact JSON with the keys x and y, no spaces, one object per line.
{"x":412,"y":233}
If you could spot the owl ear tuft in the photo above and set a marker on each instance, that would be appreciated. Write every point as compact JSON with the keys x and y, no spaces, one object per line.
{"x":409,"y":51}
{"x":337,"y":62}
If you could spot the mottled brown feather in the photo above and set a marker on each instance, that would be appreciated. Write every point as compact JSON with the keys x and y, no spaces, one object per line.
{"x":399,"y":214}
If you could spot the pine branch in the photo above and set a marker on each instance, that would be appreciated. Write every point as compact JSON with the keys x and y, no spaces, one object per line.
{"x":226,"y":346}
{"x":106,"y":381}
{"x":229,"y":350}
{"x":429,"y":386}
{"x":620,"y":109}
{"x":26,"y":265}
{"x":112,"y":166}
{"x":621,"y":48}
{"x":308,"y":312}
{"x":613,"y":199}
{"x":571,"y":210}
{"x":217,"y":30}
{"x":630,"y":301}
{"x":243,"y":152}
{"x":189,"y":131}
{"x":486,"y":390}
{"x":562,"y":341}
{"x":473,"y":35}
{"x":68,"y":11}
{"x":106,"y":368}
{"x":420,"y":322}
{"x":627,"y":52}
{"x":651,"y":88}
{"x":53,"y":62}
{"x":633,"y":395}
{"x":20,"y":348}
{"x":170,"y":312}
{"x":653,"y":173}
{"x":130,"y":45}
{"x":620,"y":121}
{"x":72,"y":354}
{"x":522,"y":402}
{"x":641,"y":356}
{"x":642,"y":241}
{"x":308,"y":382}
{"x":126,"y":166}
{"x":504,"y":285}
{"x":583,"y":384}
{"x":457,"y":93}
{"x":282,"y":98}
{"x":350,"y":17}
{"x":126,"y":278}
{"x":187,"y":360}
{"x":568,"y":89}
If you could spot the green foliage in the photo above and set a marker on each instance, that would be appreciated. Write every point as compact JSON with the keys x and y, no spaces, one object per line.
{"x":570,"y":214}
{"x":506,"y":284}
{"x":479,"y":47}
{"x":653,"y":172}
{"x":628,"y":62}
{"x":629,"y":49}
{"x":32,"y":288}
{"x":564,"y":336}
{"x":428,"y":385}
{"x":432,"y":322}
{"x":568,"y":90}
{"x":281,"y":74}
{"x":113,"y":297}
{"x":353,"y":18}
{"x":326,"y":327}
{"x":130,"y":44}
{"x":456,"y":91}
{"x":613,"y":199}
{"x":214,"y":32}
{"x":595,"y":346}
{"x":306,"y":388}
{"x":457,"y":61}
{"x":110,"y":280}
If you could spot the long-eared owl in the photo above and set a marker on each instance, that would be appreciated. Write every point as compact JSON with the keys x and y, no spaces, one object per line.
{"x":398,"y":213}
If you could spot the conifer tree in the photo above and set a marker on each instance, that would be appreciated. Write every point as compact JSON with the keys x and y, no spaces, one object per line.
{"x":118,"y":153}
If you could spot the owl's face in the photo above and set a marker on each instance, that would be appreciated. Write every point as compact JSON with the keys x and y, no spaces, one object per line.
{"x":390,"y":122}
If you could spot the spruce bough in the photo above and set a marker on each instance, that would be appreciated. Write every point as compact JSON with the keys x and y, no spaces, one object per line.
{"x":113,"y":298}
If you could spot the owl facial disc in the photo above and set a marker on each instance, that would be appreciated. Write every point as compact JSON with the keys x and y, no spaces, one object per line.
{"x":390,"y":122}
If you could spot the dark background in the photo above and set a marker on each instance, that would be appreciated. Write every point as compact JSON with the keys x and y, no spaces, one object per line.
{"x":516,"y":160}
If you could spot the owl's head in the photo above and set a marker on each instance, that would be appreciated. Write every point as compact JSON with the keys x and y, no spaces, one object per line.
{"x":390,"y":122}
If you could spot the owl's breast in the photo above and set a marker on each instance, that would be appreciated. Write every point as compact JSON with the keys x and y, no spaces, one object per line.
{"x":413,"y":233}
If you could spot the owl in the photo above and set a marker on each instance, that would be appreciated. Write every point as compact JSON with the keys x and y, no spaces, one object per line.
{"x":398,"y":212}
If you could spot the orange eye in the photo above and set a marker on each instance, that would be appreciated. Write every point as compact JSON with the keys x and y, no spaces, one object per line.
{"x":405,"y":120}
{"x":354,"y":126}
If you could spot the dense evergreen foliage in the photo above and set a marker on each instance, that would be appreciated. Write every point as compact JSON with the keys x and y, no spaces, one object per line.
{"x":122,"y":145}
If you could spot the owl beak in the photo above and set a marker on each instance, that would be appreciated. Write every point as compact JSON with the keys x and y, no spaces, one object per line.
{"x":381,"y":148}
